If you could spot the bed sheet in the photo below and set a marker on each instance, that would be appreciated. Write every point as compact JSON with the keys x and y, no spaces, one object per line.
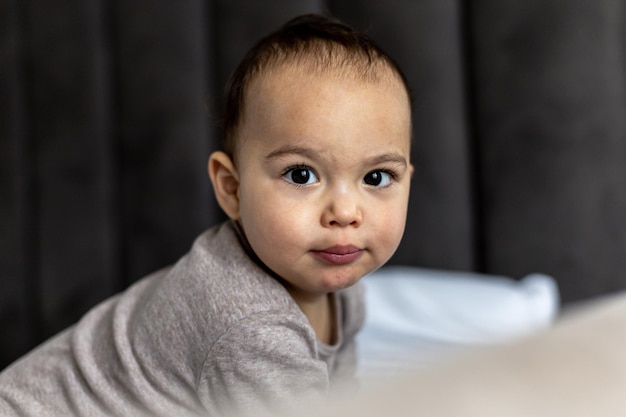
{"x":418,"y":317}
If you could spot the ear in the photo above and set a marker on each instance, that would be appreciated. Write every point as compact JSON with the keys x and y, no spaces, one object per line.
{"x":225,"y":180}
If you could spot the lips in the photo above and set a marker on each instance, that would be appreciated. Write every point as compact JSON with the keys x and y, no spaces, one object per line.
{"x":339,"y":255}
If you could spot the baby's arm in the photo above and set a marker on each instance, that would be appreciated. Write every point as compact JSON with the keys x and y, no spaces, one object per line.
{"x":262,"y":365}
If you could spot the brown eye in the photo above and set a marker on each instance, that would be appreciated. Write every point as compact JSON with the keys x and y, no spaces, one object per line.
{"x":377,"y":178}
{"x":300,"y":176}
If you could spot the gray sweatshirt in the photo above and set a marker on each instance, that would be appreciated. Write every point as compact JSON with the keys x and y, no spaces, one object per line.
{"x":214,"y":335}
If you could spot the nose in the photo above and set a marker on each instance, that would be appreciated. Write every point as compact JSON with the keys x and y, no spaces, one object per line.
{"x":343,"y":209}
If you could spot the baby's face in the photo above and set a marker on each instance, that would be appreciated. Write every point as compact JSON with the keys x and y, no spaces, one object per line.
{"x":324,"y":174}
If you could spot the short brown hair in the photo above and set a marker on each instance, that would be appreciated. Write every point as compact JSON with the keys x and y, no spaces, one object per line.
{"x":322,"y":42}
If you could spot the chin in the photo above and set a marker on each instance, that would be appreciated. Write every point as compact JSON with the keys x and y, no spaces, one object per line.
{"x":339,"y":282}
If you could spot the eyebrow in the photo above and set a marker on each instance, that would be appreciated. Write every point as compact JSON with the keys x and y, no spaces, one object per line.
{"x":312,"y":154}
{"x":291,"y":150}
{"x":386,"y":158}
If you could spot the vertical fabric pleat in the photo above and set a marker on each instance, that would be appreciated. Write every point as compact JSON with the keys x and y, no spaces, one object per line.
{"x":550,"y":114}
{"x":19,"y":325}
{"x":162,"y":78}
{"x":68,"y":130}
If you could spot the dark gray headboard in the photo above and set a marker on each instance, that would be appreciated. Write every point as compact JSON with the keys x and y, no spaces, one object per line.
{"x":519,"y":139}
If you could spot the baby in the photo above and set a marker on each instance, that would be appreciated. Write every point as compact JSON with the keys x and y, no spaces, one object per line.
{"x":260,"y":315}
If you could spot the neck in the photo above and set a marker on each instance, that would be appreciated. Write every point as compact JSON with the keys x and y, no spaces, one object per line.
{"x":320,"y":311}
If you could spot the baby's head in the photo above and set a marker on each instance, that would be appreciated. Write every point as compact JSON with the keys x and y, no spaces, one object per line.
{"x":312,"y":44}
{"x":316,"y":166}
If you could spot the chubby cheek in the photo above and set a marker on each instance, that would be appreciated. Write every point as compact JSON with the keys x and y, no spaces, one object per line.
{"x":271,"y":226}
{"x":389,"y":231}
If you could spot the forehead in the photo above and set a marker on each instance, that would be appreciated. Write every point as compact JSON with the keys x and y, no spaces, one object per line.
{"x":291,"y":87}
{"x":294,"y":103}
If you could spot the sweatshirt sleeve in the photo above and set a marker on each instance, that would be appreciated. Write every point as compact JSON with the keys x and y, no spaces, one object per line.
{"x":264,"y":365}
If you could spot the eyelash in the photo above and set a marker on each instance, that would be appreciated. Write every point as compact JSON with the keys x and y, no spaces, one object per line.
{"x":296,"y":166}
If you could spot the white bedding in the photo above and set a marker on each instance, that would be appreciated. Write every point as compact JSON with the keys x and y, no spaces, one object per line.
{"x":416,"y":317}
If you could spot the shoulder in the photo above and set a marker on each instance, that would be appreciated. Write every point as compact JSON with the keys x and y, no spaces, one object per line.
{"x":218,"y":272}
{"x":219,"y":267}
{"x":215,"y":288}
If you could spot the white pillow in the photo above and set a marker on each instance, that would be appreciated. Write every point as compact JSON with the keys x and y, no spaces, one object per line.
{"x":417,"y":316}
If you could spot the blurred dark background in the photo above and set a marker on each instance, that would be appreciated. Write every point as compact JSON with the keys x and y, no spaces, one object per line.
{"x":105,"y":128}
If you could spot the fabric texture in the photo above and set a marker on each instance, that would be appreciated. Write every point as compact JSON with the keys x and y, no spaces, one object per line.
{"x":213,"y":335}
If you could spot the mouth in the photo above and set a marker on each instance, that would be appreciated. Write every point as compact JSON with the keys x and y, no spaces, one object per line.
{"x":339,"y":254}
